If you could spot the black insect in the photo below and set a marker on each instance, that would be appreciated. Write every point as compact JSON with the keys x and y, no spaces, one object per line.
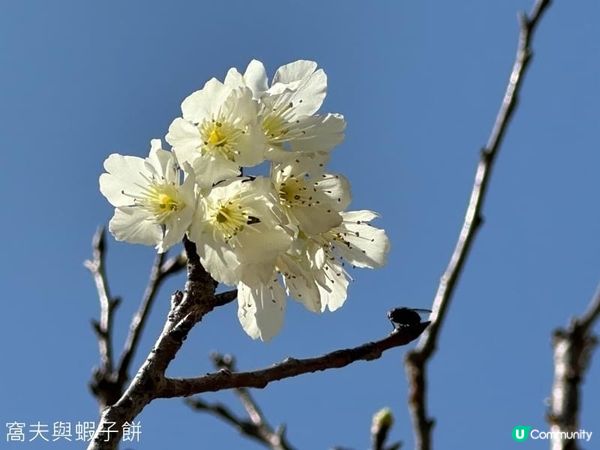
{"x":406,"y":317}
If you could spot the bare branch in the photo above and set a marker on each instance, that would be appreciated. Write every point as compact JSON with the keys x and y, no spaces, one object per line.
{"x":290,"y":367}
{"x":102,"y":381}
{"x":416,"y":360}
{"x":256,"y":426}
{"x":160,"y":271}
{"x":187,"y":309}
{"x":139,"y":319}
{"x":173,"y":265}
{"x":573,"y":349}
{"x":108,"y":380}
{"x":227,"y":362}
{"x":226,"y":297}
{"x":587,"y":320}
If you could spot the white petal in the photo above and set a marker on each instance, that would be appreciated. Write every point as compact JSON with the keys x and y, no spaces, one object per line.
{"x":234,"y":79}
{"x":307,"y":88}
{"x":185,"y":140}
{"x":218,"y":260}
{"x":124,"y":175}
{"x":163,"y":164}
{"x":179,"y":223}
{"x":316,"y":219}
{"x":336,"y":189}
{"x":362,"y":215}
{"x":261,"y":309}
{"x":318,"y":257}
{"x":210,"y":170}
{"x":216,"y":257}
{"x":300,"y":282}
{"x":130,"y":224}
{"x":256,"y":78}
{"x":366,"y":246}
{"x":201,"y":104}
{"x":294,"y":71}
{"x":257,"y":249}
{"x":333,"y":285}
{"x":155,"y":144}
{"x":321,"y":133}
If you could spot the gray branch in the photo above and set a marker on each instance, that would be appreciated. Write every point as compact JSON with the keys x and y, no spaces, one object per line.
{"x":416,"y":361}
{"x":109,"y":380}
{"x":160,"y":271}
{"x":187,"y":309}
{"x":573,"y":347}
{"x":255,"y":426}
{"x":102,"y":378}
{"x":290,"y":367}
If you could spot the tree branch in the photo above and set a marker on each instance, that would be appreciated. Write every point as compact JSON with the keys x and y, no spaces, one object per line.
{"x":256,"y":426}
{"x":290,"y":367}
{"x":416,"y":360}
{"x":160,"y":271}
{"x":102,"y":379}
{"x":108,"y":381}
{"x":573,"y":349}
{"x":226,"y":297}
{"x":187,"y":309}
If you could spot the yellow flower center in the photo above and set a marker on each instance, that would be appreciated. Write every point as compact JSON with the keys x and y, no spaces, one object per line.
{"x":216,"y":137}
{"x":229,"y":218}
{"x":220,"y":138}
{"x":273,"y":127}
{"x":293,"y":192}
{"x":161,"y":200}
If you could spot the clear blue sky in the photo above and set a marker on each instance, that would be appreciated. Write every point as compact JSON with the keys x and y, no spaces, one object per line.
{"x":419,"y":84}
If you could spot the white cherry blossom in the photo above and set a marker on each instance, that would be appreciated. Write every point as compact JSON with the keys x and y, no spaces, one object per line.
{"x":312,"y":198}
{"x":218,"y":133}
{"x":288,"y":107}
{"x":238,"y":231}
{"x":152,"y":204}
{"x":314,"y":269}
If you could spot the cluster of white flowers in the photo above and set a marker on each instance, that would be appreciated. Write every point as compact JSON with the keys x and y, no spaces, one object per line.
{"x":283,"y":234}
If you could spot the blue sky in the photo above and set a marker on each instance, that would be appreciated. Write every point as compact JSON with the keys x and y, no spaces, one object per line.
{"x":419,"y":84}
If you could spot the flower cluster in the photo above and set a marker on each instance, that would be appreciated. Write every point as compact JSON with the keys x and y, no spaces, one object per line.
{"x":285,"y":233}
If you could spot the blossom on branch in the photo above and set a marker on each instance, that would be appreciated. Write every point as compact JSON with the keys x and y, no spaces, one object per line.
{"x":284,"y":234}
{"x":152,"y":204}
{"x":218,"y":133}
{"x":238,"y":231}
{"x":312,"y":199}
{"x":287,"y":111}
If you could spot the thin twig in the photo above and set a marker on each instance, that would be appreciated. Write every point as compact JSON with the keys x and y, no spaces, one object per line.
{"x":139,"y":319}
{"x":256,"y":425}
{"x":573,"y":349}
{"x":290,"y":367}
{"x":160,"y":271}
{"x":102,"y":380}
{"x":227,"y":362}
{"x":587,"y":320}
{"x":244,"y":426}
{"x":108,"y":380}
{"x":416,"y":360}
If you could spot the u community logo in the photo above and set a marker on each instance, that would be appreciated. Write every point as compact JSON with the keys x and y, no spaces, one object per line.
{"x":520,"y":433}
